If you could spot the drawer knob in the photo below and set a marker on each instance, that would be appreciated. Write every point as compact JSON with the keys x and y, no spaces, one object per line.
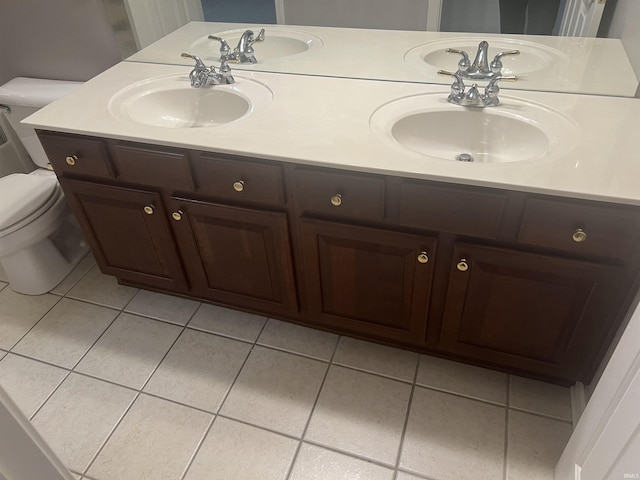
{"x":238,"y":186}
{"x":71,"y":160}
{"x":149,"y":209}
{"x":177,"y":216}
{"x":423,"y":257}
{"x":579,"y":235}
{"x":336,"y":200}
{"x":462,"y":265}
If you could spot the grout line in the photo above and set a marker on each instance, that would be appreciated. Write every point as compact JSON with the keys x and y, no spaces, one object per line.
{"x":506,"y":429}
{"x":198,"y":447}
{"x":81,"y":276}
{"x":312,"y":411}
{"x":406,"y":419}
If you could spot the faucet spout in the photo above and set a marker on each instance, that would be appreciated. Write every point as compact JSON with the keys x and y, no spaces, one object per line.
{"x":480,"y":63}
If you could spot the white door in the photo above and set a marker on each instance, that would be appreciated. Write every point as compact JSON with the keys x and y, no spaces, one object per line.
{"x":23,"y":452}
{"x":581,"y":18}
{"x":605,"y":444}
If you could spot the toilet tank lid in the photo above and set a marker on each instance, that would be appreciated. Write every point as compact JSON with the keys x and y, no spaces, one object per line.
{"x":21,"y":195}
{"x":34,"y":92}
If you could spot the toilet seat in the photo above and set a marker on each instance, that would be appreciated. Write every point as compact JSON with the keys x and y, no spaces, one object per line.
{"x":24,"y":198}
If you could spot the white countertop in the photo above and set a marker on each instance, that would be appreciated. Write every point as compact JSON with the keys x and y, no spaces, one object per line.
{"x":326,"y":122}
{"x":584,"y":65}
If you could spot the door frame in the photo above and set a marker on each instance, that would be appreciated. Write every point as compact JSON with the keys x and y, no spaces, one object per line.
{"x":610,"y":423}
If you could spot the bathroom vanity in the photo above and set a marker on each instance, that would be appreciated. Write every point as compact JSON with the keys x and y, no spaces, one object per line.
{"x":309,"y":208}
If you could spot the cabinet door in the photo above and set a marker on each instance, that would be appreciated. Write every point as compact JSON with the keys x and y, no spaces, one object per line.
{"x":128,"y":232}
{"x":369,"y":281}
{"x":237,"y":256}
{"x":529,"y":312}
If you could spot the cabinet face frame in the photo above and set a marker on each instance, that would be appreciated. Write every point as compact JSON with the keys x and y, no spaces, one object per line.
{"x":279,"y":207}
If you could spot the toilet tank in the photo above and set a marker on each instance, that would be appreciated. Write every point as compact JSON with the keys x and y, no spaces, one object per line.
{"x":23,"y":96}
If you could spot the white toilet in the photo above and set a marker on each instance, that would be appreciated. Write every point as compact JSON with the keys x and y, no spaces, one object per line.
{"x":40,"y":240}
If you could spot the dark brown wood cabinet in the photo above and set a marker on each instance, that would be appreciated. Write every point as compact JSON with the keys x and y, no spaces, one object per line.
{"x":536,"y":313}
{"x":532,"y":284}
{"x":243,"y":255}
{"x":368,"y":281}
{"x":128,"y":233}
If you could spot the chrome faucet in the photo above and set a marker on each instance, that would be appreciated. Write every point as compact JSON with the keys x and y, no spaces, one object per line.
{"x":472,"y":97}
{"x":203,"y":76}
{"x":481,"y":69}
{"x":243,"y":53}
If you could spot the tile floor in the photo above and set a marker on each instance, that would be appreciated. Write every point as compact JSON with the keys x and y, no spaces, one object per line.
{"x":129,"y":384}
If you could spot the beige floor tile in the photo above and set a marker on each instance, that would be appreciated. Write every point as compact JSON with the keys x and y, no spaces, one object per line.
{"x":227,"y":322}
{"x":79,"y":416}
{"x":275,"y":390}
{"x":534,"y":446}
{"x":453,"y":438}
{"x":236,"y":451}
{"x":130,"y":350}
{"x":66,"y":333}
{"x":3,"y":285}
{"x":155,"y":440}
{"x":540,"y":397}
{"x":360,"y":413}
{"x":2,"y":354}
{"x":199,"y":370}
{"x":375,"y":358}
{"x":316,"y":463}
{"x":462,"y":379}
{"x":297,"y":339}
{"x":29,"y":382}
{"x":19,"y":313}
{"x":163,"y":307}
{"x":76,"y":274}
{"x":102,"y":289}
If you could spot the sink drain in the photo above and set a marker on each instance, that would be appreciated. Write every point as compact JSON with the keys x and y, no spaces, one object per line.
{"x":464,"y":157}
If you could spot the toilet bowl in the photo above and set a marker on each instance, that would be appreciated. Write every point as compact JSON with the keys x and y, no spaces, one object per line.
{"x":40,"y":241}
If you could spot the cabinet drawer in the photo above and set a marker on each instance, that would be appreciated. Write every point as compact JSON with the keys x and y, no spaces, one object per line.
{"x":79,"y":155}
{"x":340,"y":194}
{"x":164,"y":167}
{"x":583,"y":229}
{"x":465,"y":211}
{"x":240,"y":180}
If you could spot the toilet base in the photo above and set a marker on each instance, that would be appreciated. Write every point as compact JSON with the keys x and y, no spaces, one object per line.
{"x":38,"y":269}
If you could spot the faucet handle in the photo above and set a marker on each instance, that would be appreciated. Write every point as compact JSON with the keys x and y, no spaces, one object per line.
{"x":496,"y":64}
{"x":457,"y":87}
{"x":260,"y":36}
{"x":492,"y":89}
{"x":198,"y":60}
{"x":464,"y":63}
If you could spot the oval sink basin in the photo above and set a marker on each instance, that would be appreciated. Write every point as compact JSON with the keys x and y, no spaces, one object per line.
{"x":281,"y":42}
{"x":515,"y":131}
{"x":171,"y":102}
{"x":533,"y":57}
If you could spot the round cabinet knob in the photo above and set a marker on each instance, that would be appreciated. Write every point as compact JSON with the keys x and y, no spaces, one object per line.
{"x":336,"y":200}
{"x":579,"y":235}
{"x":71,"y":160}
{"x":177,"y":216}
{"x":238,"y":186}
{"x":149,"y":209}
{"x":423,"y":257}
{"x":462,"y":265}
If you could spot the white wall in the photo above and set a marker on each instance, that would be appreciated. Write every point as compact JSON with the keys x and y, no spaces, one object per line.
{"x":624,"y":25}
{"x":61,"y":39}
